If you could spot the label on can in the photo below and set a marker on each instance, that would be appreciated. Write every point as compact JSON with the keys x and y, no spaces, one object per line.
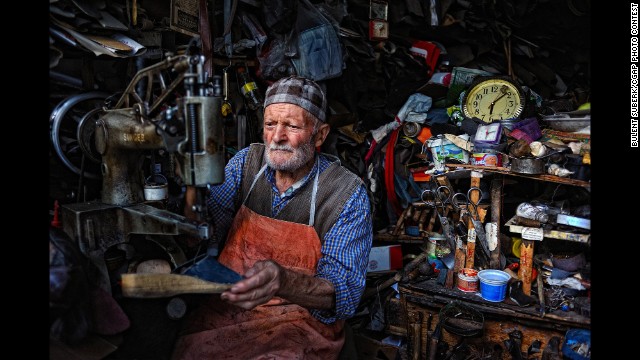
{"x":468,"y":280}
{"x":486,"y":159}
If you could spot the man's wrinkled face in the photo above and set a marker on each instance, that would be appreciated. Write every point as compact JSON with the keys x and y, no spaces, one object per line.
{"x":289,"y":137}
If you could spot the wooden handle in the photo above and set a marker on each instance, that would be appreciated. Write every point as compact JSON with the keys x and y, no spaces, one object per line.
{"x":167,"y":285}
{"x":526,"y":264}
{"x":471,"y":245}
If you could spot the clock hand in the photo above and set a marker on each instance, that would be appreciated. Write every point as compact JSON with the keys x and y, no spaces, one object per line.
{"x":503,"y":90}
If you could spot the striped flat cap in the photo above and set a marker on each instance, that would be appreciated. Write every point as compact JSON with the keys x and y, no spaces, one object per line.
{"x":298,"y":91}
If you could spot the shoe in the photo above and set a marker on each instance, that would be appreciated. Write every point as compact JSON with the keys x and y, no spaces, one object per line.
{"x":209,"y":269}
{"x":518,"y":296}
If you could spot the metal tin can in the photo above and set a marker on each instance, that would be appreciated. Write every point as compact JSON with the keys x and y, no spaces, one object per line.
{"x":468,"y":280}
{"x":486,"y":159}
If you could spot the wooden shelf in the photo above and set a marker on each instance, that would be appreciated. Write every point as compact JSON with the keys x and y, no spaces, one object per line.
{"x":540,"y":177}
{"x":553,"y":234}
{"x":430,"y":292}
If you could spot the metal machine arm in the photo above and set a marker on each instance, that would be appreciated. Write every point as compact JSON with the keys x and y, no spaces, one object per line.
{"x":183,"y":119}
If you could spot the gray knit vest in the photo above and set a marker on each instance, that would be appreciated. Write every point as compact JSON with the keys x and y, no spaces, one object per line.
{"x":336,"y":184}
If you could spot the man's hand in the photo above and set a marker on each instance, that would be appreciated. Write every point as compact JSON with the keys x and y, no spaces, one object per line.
{"x":267,"y":279}
{"x":260,"y":285}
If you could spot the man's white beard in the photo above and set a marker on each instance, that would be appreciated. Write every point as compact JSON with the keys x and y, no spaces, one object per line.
{"x":300,"y":157}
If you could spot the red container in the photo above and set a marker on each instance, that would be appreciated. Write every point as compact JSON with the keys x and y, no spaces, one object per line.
{"x":468,"y":280}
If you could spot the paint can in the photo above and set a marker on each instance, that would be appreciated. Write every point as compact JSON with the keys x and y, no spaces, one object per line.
{"x":468,"y":280}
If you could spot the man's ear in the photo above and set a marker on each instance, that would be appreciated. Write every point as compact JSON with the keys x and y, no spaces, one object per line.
{"x":321,"y":136}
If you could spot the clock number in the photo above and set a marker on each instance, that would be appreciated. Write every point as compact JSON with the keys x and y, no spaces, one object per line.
{"x":477,"y":111}
{"x":476,"y":104}
{"x":494,"y":88}
{"x":510,"y":103}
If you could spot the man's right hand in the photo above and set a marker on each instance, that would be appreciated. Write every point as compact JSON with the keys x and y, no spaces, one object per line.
{"x":261,"y":283}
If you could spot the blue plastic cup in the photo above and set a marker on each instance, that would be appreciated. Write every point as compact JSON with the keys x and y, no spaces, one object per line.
{"x":493,"y":284}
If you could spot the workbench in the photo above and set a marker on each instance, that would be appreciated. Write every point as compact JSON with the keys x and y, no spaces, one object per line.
{"x":421,"y":300}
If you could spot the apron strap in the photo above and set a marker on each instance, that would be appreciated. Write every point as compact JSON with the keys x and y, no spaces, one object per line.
{"x":314,"y":192}
{"x":255,"y":179}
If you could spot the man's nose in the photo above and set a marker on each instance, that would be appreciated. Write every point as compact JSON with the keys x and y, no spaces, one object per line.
{"x":280,"y":133}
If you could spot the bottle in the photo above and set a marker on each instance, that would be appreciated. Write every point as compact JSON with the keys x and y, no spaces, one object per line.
{"x":249,"y":89}
{"x":526,"y":210}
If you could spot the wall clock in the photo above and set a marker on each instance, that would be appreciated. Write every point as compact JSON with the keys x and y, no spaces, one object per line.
{"x":491,"y":98}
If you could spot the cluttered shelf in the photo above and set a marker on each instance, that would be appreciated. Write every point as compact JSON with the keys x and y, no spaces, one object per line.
{"x":541,"y":177}
{"x":480,"y":325}
{"x":431,"y":293}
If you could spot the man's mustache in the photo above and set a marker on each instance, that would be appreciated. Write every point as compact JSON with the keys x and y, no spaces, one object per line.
{"x":273,"y":147}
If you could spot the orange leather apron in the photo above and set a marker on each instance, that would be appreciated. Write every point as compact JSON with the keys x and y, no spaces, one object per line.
{"x":276,"y":330}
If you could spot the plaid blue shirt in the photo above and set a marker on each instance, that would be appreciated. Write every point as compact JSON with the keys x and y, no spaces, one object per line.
{"x":345,"y":252}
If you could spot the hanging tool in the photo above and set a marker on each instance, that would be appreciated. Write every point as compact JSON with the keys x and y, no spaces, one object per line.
{"x":472,"y":213}
{"x":435,"y":339}
{"x":439,"y":199}
{"x":229,"y":9}
{"x":513,"y":344}
{"x":226,"y":109}
{"x":205,"y":37}
{"x":416,"y":330}
{"x":540,"y":284}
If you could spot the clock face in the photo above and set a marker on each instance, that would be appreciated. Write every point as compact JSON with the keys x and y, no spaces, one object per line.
{"x":489,"y":133}
{"x":493,"y":98}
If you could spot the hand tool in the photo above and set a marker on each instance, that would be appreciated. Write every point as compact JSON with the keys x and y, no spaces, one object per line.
{"x":439,"y":199}
{"x":457,"y":200}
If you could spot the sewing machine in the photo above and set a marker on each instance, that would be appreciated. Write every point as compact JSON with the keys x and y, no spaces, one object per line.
{"x":168,"y":111}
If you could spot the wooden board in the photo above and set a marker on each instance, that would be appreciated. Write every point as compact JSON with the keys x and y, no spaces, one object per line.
{"x":507,"y":171}
{"x":166,"y":285}
{"x":429,"y":292}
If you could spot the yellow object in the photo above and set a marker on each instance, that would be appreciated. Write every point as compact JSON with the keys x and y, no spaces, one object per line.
{"x":585,"y":106}
{"x":226,"y":109}
{"x":493,"y":98}
{"x":586,"y":158}
{"x":515,"y":246}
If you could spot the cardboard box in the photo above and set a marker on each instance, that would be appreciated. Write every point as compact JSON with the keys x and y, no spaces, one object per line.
{"x":383,"y":258}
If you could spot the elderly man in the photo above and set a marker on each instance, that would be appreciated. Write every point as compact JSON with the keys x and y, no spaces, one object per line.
{"x":298,"y":228}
